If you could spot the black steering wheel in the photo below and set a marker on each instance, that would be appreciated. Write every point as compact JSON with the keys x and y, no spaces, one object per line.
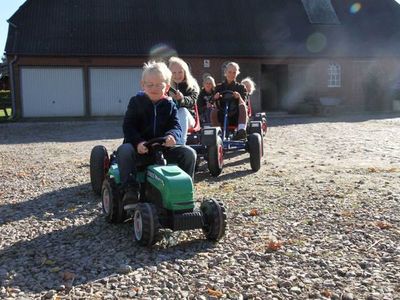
{"x":158,"y":141}
{"x":155,"y":147}
{"x":228,"y":99}
{"x":227,"y":95}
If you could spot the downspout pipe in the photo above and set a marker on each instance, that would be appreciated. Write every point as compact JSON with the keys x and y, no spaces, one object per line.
{"x":11,"y":70}
{"x":13,"y":98}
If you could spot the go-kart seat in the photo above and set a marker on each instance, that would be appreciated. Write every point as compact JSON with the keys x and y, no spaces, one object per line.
{"x":196,"y":127}
{"x":249,"y":110}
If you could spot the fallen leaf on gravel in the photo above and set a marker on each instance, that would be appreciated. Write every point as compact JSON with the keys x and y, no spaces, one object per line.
{"x":326,"y":293}
{"x":68,"y":276}
{"x":49,"y":262}
{"x":274,"y":245}
{"x":347,"y":213}
{"x":383,"y":225}
{"x":21,"y":175}
{"x":55,"y":269}
{"x":72,"y":209}
{"x":254,"y":212}
{"x":215,"y":293}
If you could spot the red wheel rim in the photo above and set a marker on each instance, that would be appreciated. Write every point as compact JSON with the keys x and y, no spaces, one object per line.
{"x":220,"y":156}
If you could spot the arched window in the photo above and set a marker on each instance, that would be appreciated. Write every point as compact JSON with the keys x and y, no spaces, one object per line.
{"x":334,"y":75}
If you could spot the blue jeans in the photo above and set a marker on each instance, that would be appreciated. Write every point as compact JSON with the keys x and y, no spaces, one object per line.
{"x":183,"y":156}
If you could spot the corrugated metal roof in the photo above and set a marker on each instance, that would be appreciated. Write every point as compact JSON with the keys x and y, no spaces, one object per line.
{"x":251,"y":28}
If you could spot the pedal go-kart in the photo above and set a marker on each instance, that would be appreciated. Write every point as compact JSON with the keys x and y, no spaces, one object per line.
{"x":252,"y":144}
{"x":166,"y":197}
{"x":259,"y":116}
{"x":208,"y":145}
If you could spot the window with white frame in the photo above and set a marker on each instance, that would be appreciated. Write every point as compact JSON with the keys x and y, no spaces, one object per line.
{"x":334,"y":75}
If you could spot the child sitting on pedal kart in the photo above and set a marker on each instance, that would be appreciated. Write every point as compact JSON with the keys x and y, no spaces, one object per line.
{"x":238,"y":113}
{"x":151,"y":114}
{"x":250,"y":86}
{"x":187,"y":90}
{"x":204,"y":102}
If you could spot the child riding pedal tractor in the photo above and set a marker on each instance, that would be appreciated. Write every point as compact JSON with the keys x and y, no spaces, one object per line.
{"x":150,"y":177}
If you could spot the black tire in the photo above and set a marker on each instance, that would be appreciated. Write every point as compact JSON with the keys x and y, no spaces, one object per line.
{"x":99,"y":164}
{"x":214,"y":216}
{"x":146,"y":225}
{"x":215,"y":158}
{"x":112,"y":203}
{"x":255,"y":149}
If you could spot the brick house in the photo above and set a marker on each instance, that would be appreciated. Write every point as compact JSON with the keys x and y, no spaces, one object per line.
{"x":75,"y":58}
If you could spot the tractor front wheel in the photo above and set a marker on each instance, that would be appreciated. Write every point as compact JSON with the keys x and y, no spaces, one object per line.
{"x":146,"y":224}
{"x":214,"y":216}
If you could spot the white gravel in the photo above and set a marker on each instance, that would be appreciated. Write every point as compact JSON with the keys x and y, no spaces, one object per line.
{"x":320,"y":220}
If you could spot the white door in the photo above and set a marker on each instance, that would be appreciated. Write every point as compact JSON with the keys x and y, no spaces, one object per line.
{"x":111,"y":90}
{"x":52,"y":92}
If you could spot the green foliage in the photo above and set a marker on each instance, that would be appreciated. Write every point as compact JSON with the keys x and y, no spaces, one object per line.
{"x":5,"y":95}
{"x":5,"y":103}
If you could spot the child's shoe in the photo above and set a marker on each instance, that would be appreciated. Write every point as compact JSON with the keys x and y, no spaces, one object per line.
{"x":130,"y":198}
{"x":240,"y":135}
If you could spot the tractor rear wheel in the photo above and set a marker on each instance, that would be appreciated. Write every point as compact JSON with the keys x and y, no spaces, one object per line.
{"x":111,"y":202}
{"x":99,"y":164}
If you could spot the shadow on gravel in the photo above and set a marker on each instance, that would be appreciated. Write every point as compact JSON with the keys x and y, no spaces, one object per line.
{"x":307,"y":119}
{"x":85,"y":248}
{"x":20,"y":133}
{"x":77,"y":131}
{"x":231,"y":159}
{"x":60,"y":204}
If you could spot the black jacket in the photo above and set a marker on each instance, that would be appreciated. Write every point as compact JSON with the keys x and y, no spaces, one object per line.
{"x":234,"y":87}
{"x":145,"y":120}
{"x":189,"y":95}
{"x":203,"y":99}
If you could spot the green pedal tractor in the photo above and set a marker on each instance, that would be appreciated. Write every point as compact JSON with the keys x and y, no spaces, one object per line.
{"x":166,"y":197}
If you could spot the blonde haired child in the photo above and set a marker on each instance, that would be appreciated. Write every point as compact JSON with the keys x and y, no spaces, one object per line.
{"x":151,"y":114}
{"x":187,"y":91}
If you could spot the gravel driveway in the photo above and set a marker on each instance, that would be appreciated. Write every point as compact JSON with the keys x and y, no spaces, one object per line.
{"x":320,"y":220}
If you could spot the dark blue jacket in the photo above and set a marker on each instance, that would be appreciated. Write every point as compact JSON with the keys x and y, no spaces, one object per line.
{"x":145,"y":120}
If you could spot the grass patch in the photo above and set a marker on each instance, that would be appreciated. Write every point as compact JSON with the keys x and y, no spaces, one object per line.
{"x":5,"y":102}
{"x":2,"y":114}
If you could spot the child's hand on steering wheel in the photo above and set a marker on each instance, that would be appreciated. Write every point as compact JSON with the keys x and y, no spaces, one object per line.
{"x":237,"y":96}
{"x":217,"y":96}
{"x":142,"y":149}
{"x":169,"y":141}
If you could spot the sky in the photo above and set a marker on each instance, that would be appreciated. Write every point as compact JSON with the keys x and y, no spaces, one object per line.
{"x":7,"y":9}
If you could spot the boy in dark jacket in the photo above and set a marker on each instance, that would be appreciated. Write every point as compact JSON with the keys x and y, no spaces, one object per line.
{"x":151,"y":114}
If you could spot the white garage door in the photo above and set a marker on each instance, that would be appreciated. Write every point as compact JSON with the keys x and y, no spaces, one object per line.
{"x":111,"y":89}
{"x":52,"y":92}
